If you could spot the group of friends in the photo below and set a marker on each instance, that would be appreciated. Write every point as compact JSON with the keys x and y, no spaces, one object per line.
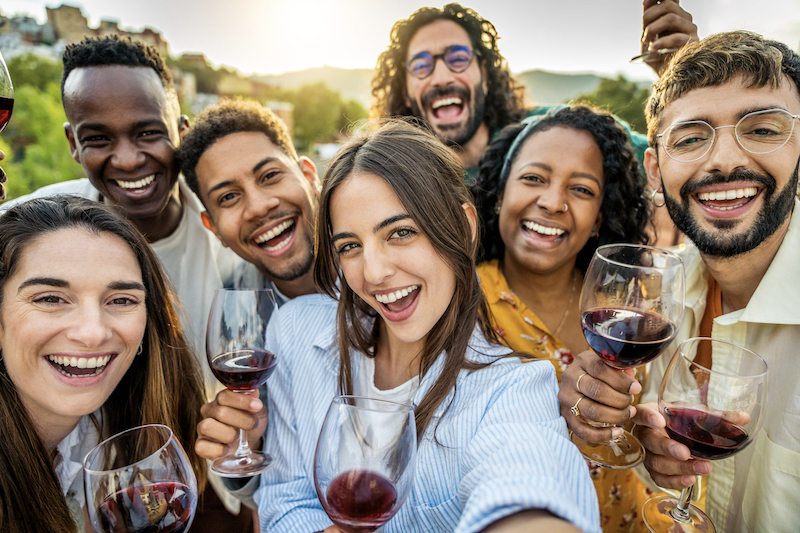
{"x":437,"y":263}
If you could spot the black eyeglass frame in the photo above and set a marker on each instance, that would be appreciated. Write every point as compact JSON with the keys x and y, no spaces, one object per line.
{"x":473,"y":53}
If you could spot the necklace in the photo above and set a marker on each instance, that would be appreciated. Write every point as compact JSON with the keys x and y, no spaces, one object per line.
{"x":569,"y":304}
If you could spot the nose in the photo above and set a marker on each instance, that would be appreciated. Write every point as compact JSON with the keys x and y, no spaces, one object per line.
{"x":89,"y":327}
{"x":127,"y":156}
{"x":377,"y":265}
{"x":258,"y":204}
{"x":441,"y":75}
{"x":552,"y":200}
{"x":726,"y":153}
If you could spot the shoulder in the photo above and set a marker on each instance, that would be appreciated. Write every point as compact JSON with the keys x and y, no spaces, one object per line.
{"x":311,"y":313}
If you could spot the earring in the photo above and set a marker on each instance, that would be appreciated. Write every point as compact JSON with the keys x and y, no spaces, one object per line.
{"x":141,"y":348}
{"x":566,"y":208}
{"x":497,"y":208}
{"x":594,"y":234}
{"x":656,"y":192}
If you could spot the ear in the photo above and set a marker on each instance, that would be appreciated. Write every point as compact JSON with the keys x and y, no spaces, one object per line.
{"x":598,"y":222}
{"x":183,"y":125}
{"x":484,"y":78}
{"x":73,"y":143}
{"x":309,"y":170}
{"x":652,"y":169}
{"x":472,"y":218}
{"x":210,"y":226}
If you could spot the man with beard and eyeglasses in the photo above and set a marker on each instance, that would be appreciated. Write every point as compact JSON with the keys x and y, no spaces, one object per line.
{"x":724,"y":157}
{"x":470,"y":95}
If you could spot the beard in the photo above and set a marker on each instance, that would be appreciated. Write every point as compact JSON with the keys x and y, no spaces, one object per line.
{"x":724,"y":242}
{"x":458,"y":134}
{"x":295,"y":269}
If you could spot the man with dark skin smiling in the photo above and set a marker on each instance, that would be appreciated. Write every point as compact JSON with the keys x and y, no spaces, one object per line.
{"x":724,"y":157}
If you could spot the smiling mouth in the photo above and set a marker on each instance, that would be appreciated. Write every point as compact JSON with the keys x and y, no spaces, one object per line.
{"x":447,"y":108}
{"x":277,"y":238}
{"x":727,"y":200}
{"x":543,"y":230}
{"x":138,"y":184}
{"x":79,"y":367}
{"x":398,"y":300}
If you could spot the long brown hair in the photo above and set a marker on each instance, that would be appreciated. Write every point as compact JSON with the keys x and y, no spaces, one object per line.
{"x":429,"y":182}
{"x":162,"y":385}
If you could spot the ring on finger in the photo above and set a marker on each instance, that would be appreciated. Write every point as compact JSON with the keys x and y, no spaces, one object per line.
{"x":574,"y":409}
{"x":578,"y":383}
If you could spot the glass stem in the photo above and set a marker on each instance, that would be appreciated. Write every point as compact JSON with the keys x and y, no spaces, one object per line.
{"x":244,"y":447}
{"x":681,"y":512}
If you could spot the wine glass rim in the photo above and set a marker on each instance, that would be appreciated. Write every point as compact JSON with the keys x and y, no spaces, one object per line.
{"x":663,"y":251}
{"x":121,"y":433}
{"x":720,"y":372}
{"x":339,"y":399}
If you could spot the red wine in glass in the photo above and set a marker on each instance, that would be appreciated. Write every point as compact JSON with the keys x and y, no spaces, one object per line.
{"x":627,"y":338}
{"x":360,"y":501}
{"x":6,"y":107}
{"x":243,"y":370}
{"x":161,"y":507}
{"x":707,"y":435}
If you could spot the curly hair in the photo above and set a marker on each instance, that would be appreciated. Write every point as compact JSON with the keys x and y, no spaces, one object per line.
{"x":504,"y":98}
{"x":114,"y":50}
{"x":226,"y":118}
{"x":625,"y":211}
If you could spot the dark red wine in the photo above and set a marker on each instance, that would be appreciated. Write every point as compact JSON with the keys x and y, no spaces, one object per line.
{"x":163,"y":507}
{"x":626,"y":338}
{"x":707,"y":436}
{"x":6,"y":107}
{"x":360,"y":501}
{"x":243,"y":369}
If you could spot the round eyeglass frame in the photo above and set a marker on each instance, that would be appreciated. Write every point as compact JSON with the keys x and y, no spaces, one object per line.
{"x":473,"y":53}
{"x":735,"y":134}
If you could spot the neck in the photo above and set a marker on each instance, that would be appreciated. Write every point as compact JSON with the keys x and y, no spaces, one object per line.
{"x":738,"y":277}
{"x":543,"y":292}
{"x":297,"y":287}
{"x":165,"y":222}
{"x":53,"y":431}
{"x":395,"y":361}
{"x":470,"y":152}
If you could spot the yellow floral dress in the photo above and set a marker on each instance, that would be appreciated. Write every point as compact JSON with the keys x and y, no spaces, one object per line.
{"x":620,"y":493}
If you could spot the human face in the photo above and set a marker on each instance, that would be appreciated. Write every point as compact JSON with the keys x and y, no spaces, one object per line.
{"x":761,"y":188}
{"x":69,"y":330}
{"x":260,"y":203}
{"x":387,"y":260}
{"x":452,"y":103}
{"x":123,"y":130}
{"x":551,"y":201}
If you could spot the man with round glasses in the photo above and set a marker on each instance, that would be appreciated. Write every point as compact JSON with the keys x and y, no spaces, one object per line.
{"x":724,"y":157}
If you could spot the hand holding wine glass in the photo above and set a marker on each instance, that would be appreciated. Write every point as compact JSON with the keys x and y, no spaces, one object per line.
{"x":140,"y":481}
{"x":713,"y":397}
{"x":236,"y":346}
{"x":364,"y":462}
{"x":666,"y":27}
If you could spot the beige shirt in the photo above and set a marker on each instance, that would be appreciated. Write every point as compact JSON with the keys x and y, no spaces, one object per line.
{"x":758,"y":489}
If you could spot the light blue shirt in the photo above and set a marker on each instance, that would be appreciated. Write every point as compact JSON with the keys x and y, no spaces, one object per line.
{"x":502,"y":448}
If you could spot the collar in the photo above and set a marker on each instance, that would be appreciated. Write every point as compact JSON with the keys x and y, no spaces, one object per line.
{"x":493,"y":282}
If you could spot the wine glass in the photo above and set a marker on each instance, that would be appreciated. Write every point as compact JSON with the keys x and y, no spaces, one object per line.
{"x":236,"y":346}
{"x":653,"y":55}
{"x":365,"y":460}
{"x":140,"y":481}
{"x":713,"y":397}
{"x":631,"y":307}
{"x":6,"y":94}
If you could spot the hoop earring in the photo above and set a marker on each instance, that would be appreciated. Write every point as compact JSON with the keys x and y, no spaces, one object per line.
{"x":497,"y":208}
{"x":653,"y":198}
{"x":566,"y":208}
{"x":140,"y":349}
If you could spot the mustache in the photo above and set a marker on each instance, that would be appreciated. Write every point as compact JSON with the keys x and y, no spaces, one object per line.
{"x":438,"y":92}
{"x":737,"y":175}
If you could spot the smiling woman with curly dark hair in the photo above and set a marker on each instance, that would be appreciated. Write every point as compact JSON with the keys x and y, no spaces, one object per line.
{"x":549,"y":192}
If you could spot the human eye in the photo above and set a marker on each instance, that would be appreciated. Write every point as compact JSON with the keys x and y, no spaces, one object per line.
{"x":226,"y":199}
{"x":403,"y":233}
{"x":48,"y":299}
{"x":420,"y":64}
{"x":93,"y":139}
{"x":270,"y":175}
{"x":532,"y":178}
{"x":582,"y":189}
{"x":124,"y":301}
{"x":689,"y":136}
{"x":459,"y":58}
{"x":765,"y":125}
{"x":346,"y":248}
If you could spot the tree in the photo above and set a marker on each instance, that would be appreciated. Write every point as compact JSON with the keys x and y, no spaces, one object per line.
{"x":36,"y":71}
{"x":624,"y":98}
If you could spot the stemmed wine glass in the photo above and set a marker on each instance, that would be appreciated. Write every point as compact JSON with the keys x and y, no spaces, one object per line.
{"x":631,"y":307}
{"x":6,"y":94}
{"x":365,"y":461}
{"x":140,"y":481}
{"x":236,"y":346}
{"x":713,"y":397}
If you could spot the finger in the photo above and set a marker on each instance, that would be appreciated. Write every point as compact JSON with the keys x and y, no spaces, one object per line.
{"x":648,"y":415}
{"x":235,"y":418}
{"x":216,"y":431}
{"x":209,"y":449}
{"x":658,"y":443}
{"x":592,"y":364}
{"x":670,"y":24}
{"x":590,"y":433}
{"x":243,"y":401}
{"x":663,"y":9}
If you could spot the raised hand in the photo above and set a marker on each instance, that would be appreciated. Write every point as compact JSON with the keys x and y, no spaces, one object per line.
{"x":218,"y":432}
{"x":665,"y":26}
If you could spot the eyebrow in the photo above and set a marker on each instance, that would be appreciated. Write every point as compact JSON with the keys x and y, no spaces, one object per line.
{"x":256,"y":168}
{"x":63,"y":284}
{"x":739,"y":115}
{"x":381,"y":225}
{"x":573,"y":175}
{"x":103,"y":127}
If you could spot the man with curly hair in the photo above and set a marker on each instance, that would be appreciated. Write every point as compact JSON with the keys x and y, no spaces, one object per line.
{"x":472,"y":94}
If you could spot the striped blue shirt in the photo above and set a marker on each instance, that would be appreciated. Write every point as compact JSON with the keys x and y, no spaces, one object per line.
{"x":503,"y":446}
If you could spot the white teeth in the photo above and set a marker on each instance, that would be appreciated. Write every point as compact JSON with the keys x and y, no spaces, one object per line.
{"x":138,"y":184}
{"x":396,"y":295}
{"x":453,"y":100}
{"x":81,"y":362}
{"x":731,"y":194}
{"x":544,"y":230}
{"x":274,"y":232}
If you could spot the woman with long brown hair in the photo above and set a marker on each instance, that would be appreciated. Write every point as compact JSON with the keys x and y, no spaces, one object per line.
{"x":90,"y":345}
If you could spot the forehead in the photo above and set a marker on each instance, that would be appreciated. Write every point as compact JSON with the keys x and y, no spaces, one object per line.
{"x":94,"y":92}
{"x":363,"y":198}
{"x":237,"y":154}
{"x":727,"y":103}
{"x":437,"y":36}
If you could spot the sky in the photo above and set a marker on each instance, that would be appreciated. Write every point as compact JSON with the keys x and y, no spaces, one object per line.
{"x":277,"y":36}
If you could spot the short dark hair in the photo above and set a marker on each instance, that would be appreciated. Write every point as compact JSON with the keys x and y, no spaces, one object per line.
{"x":226,"y":118}
{"x":504,"y":96}
{"x":114,"y":50}
{"x":625,"y":211}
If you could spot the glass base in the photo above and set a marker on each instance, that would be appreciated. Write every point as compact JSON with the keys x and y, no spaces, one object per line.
{"x":241,"y":466}
{"x":623,"y":452}
{"x":658,"y":512}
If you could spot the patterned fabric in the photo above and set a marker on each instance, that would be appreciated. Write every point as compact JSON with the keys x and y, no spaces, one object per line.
{"x":492,"y":458}
{"x":620,"y":492}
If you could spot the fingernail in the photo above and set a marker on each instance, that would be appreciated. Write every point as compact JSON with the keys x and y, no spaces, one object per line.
{"x":616,"y":433}
{"x":702,"y":468}
{"x":636,"y":388}
{"x":256,"y":405}
{"x":687,"y":480}
{"x":631,"y":411}
{"x":675,"y":451}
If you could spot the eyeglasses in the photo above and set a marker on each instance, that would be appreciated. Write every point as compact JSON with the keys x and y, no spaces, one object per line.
{"x":457,"y":58}
{"x":760,"y":132}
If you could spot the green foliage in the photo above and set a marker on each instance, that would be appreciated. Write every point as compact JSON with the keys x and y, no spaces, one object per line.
{"x":39,"y":72}
{"x":626,"y":99}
